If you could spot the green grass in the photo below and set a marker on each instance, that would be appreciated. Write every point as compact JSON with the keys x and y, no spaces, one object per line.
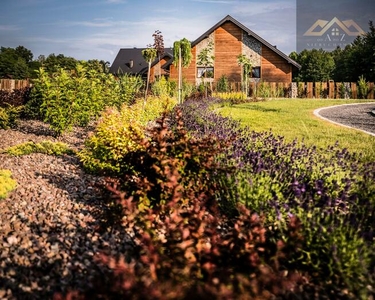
{"x":294,"y":119}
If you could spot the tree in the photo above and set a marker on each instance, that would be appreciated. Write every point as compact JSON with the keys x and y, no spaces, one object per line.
{"x":182,"y":58}
{"x":316,"y":65}
{"x":159,"y":46}
{"x":246,"y":66}
{"x":357,"y":59}
{"x":149,"y":54}
{"x":206,"y":59}
{"x":12,"y":64}
{"x":53,"y":63}
{"x":24,"y":53}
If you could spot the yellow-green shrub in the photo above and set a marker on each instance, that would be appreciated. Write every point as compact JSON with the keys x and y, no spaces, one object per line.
{"x":7,"y":184}
{"x":46,"y":147}
{"x":9,"y":116}
{"x":230,"y":95}
{"x":117,"y":131}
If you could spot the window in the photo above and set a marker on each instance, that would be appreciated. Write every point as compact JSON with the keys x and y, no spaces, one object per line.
{"x":255,"y":72}
{"x":205,"y":72}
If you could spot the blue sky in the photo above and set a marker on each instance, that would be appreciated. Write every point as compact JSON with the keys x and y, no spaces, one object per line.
{"x":97,"y":29}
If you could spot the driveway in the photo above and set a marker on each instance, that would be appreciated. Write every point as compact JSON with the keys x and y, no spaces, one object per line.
{"x":360,"y":116}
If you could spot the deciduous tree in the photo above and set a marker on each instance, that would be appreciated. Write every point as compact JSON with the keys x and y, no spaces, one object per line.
{"x":182,"y":58}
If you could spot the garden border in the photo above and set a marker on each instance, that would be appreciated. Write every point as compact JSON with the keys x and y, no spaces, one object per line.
{"x":317,"y":114}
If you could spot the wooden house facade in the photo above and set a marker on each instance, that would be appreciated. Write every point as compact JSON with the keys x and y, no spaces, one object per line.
{"x":228,"y":39}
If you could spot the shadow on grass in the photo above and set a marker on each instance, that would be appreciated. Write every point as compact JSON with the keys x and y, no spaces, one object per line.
{"x":259,"y":108}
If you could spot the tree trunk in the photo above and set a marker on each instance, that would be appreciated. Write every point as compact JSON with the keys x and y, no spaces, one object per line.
{"x":179,"y":75}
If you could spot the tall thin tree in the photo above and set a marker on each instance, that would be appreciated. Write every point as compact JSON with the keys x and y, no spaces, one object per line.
{"x":149,"y":54}
{"x":206,"y":58}
{"x":159,"y":46}
{"x":182,"y":58}
{"x":246,"y":66}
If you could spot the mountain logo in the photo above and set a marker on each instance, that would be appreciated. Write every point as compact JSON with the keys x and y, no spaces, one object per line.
{"x":320,"y":27}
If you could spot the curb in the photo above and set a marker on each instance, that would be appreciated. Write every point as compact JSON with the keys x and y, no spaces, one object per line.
{"x":317,"y":114}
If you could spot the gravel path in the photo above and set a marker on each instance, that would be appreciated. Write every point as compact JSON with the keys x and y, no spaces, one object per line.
{"x":49,"y":224}
{"x":359,"y":116}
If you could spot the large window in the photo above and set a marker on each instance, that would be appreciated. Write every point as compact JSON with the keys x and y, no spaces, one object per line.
{"x":205,"y":72}
{"x":255,"y":72}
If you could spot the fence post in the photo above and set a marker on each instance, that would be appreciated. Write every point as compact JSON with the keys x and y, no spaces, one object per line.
{"x":309,"y":92}
{"x":353,"y":86}
{"x":370,"y":90}
{"x":331,"y":89}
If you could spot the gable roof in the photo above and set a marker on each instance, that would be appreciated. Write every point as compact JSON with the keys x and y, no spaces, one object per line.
{"x":251,"y":33}
{"x":131,"y":61}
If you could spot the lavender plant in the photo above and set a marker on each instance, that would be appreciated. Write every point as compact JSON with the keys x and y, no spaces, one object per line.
{"x":329,"y":190}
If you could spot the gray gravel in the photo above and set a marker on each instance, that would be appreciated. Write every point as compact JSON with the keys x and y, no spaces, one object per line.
{"x":49,"y":226}
{"x":359,"y":116}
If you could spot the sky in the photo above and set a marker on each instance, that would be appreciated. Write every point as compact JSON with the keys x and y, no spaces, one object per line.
{"x":97,"y":29}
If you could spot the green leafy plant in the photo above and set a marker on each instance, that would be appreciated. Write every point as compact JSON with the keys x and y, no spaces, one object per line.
{"x":182,"y":58}
{"x":74,"y":98}
{"x":149,"y":54}
{"x":7,"y":184}
{"x":246,"y":66}
{"x":9,"y":116}
{"x":117,"y":133}
{"x":222,"y":85}
{"x":46,"y":147}
{"x":163,"y":87}
{"x":263,"y":90}
{"x":362,"y":87}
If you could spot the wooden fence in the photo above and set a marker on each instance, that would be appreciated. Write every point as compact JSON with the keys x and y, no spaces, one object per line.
{"x":322,"y":90}
{"x":330,"y":89}
{"x":13,"y":84}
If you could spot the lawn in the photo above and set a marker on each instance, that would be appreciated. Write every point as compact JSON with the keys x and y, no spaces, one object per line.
{"x":294,"y":119}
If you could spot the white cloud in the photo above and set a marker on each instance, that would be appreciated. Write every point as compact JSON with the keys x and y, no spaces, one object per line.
{"x":116,"y":1}
{"x":215,"y":1}
{"x":9,"y":28}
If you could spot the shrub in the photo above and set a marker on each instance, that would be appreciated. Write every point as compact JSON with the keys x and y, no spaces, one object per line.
{"x":9,"y":116}
{"x":222,"y":85}
{"x":68,"y":98}
{"x":363,"y":88}
{"x":164,"y":88}
{"x":307,"y":230}
{"x":7,"y":184}
{"x":171,"y":163}
{"x":231,"y":97}
{"x":185,"y":247}
{"x":117,"y":132}
{"x":15,"y":98}
{"x":279,"y":180}
{"x":45,"y":147}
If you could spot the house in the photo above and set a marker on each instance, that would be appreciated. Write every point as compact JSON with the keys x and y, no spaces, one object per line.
{"x":228,"y":38}
{"x":130,"y":61}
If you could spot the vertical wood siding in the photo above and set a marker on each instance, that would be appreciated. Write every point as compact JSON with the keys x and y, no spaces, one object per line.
{"x":274,"y":68}
{"x":228,"y":45}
